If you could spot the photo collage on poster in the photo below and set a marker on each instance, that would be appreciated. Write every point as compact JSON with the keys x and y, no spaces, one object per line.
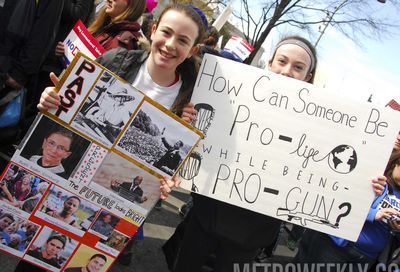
{"x":87,"y":174}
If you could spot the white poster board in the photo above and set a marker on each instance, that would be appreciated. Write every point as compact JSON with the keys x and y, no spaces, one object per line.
{"x":284,"y":148}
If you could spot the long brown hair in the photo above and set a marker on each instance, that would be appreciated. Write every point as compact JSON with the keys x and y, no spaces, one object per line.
{"x":212,"y":36}
{"x":132,"y":13}
{"x":394,"y":161}
{"x":188,"y":69}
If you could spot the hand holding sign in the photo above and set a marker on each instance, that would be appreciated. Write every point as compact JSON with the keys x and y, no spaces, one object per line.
{"x":49,"y":98}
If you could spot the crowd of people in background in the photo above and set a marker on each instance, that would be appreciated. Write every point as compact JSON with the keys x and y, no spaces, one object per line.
{"x":162,"y":56}
{"x":20,"y":189}
{"x":16,"y":232}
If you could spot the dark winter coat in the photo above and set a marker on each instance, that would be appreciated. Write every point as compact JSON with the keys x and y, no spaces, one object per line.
{"x":120,"y":34}
{"x":27,"y":35}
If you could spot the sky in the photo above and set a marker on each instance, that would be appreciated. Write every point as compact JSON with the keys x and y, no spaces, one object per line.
{"x":361,"y":72}
{"x":358,"y":72}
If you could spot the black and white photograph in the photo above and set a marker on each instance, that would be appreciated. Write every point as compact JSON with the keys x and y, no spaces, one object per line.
{"x":107,"y":109}
{"x":128,"y":181}
{"x":66,"y":210}
{"x":51,"y":249}
{"x":21,"y":189}
{"x":157,"y":140}
{"x":16,"y":232}
{"x":54,"y":148}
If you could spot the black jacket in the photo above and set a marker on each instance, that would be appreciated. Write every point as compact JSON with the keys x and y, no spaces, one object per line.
{"x":73,"y":11}
{"x":248,"y":229}
{"x":27,"y":35}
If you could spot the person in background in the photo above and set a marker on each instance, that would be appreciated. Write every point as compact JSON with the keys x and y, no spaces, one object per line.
{"x":28,"y":29}
{"x":397,"y":143}
{"x":73,"y":10}
{"x":210,"y":42}
{"x":375,"y":234}
{"x":116,"y":24}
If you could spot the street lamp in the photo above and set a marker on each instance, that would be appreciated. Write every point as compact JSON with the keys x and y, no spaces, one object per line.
{"x":329,"y":17}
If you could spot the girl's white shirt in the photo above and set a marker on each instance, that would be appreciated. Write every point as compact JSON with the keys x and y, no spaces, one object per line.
{"x":163,"y":95}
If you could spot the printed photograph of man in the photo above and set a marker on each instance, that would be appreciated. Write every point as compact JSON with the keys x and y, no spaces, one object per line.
{"x":164,"y":142}
{"x":87,"y":259}
{"x":94,"y":264}
{"x":21,"y":189}
{"x":54,"y":148}
{"x":105,"y":223}
{"x":172,"y":158}
{"x":130,"y":190}
{"x":127,"y":180}
{"x":107,"y":109}
{"x":50,"y":251}
{"x":50,"y":247}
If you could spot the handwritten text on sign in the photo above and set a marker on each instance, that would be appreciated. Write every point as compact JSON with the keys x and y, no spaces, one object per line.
{"x":287,"y":149}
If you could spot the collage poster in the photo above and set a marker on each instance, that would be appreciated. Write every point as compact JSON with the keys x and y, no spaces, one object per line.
{"x":287,"y":149}
{"x":87,"y":174}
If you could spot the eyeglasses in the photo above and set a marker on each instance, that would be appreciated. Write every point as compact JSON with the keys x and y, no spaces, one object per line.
{"x":53,"y":144}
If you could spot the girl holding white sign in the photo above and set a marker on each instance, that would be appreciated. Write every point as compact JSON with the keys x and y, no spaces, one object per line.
{"x":235,"y":234}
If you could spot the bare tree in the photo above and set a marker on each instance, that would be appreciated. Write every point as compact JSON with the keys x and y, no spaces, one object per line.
{"x":353,"y":18}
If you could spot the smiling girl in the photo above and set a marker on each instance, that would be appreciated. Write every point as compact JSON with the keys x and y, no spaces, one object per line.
{"x":166,"y":74}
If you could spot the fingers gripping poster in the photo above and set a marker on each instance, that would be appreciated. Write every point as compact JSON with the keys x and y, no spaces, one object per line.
{"x":285,"y":148}
{"x":87,"y":174}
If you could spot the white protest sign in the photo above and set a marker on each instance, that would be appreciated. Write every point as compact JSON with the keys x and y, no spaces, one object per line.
{"x":222,"y":18}
{"x":287,"y":149}
{"x":80,"y":40}
{"x":239,"y":47}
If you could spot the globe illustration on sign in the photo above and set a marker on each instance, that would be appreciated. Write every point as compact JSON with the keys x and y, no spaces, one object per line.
{"x":343,"y":159}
